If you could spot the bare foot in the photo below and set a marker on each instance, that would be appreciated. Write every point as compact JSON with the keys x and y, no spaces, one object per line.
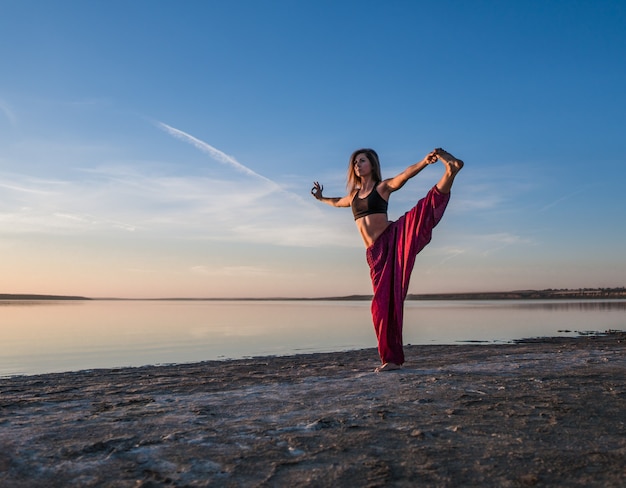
{"x":388,"y":367}
{"x":453,"y":164}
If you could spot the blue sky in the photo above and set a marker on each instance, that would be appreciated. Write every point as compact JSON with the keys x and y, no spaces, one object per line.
{"x":167,"y":149}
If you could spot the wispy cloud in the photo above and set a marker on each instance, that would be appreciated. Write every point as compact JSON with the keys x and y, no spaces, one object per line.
{"x":491,"y":243}
{"x":122,"y":199}
{"x":22,"y":189}
{"x":451,"y":253}
{"x":470,"y":246}
{"x":8,"y":113}
{"x":232,"y":271}
{"x":88,"y":194}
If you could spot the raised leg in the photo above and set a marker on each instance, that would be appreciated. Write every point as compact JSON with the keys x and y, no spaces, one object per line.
{"x":453,"y":166}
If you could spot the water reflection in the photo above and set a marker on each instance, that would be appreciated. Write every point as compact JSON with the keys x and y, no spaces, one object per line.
{"x":602,"y":305}
{"x":596,"y":304}
{"x":47,"y":336}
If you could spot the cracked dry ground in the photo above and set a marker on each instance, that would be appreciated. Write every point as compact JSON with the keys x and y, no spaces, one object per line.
{"x":547,"y":412}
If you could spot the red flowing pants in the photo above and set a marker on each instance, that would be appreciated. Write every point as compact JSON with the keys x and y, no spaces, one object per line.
{"x":391,"y":258}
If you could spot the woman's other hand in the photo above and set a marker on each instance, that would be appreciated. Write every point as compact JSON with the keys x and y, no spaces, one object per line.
{"x":317,"y":190}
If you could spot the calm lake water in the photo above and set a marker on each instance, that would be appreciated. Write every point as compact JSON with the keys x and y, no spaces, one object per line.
{"x":43,"y":337}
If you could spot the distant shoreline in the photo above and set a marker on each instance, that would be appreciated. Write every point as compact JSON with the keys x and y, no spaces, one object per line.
{"x":577,"y":294}
{"x":27,"y":297}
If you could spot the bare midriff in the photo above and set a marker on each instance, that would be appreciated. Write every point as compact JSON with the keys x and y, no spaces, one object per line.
{"x":371,"y":227}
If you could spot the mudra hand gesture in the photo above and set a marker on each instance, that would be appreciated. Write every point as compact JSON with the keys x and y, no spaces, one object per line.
{"x":317,"y":190}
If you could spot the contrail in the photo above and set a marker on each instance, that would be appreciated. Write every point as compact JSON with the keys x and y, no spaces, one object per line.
{"x":213,"y":152}
{"x":559,"y":200}
{"x":224,"y":158}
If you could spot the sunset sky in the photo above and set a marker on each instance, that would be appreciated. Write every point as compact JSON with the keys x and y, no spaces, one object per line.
{"x":167,"y":148}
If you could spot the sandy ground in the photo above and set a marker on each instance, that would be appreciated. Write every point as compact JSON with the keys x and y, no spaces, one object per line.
{"x":548,"y":412}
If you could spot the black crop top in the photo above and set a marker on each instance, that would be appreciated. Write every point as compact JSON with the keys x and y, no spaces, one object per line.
{"x":371,"y":204}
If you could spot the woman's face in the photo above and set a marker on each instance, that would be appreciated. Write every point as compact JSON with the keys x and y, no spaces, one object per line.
{"x":362,"y":165}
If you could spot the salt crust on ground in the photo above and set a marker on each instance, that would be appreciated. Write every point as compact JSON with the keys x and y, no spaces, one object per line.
{"x":546,"y":412}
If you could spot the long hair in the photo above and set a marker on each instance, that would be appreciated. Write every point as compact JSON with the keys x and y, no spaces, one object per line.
{"x":353,"y":181}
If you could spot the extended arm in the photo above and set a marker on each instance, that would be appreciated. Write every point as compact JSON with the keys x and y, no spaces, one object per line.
{"x":316,"y":191}
{"x":393,"y":184}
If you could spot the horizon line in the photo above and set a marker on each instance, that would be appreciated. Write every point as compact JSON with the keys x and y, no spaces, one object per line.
{"x":525,"y":293}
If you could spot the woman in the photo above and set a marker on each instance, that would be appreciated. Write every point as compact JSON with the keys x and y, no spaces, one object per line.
{"x":391,"y":247}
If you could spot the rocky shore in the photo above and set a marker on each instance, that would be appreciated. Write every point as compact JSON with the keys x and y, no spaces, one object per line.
{"x":544,"y":412}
